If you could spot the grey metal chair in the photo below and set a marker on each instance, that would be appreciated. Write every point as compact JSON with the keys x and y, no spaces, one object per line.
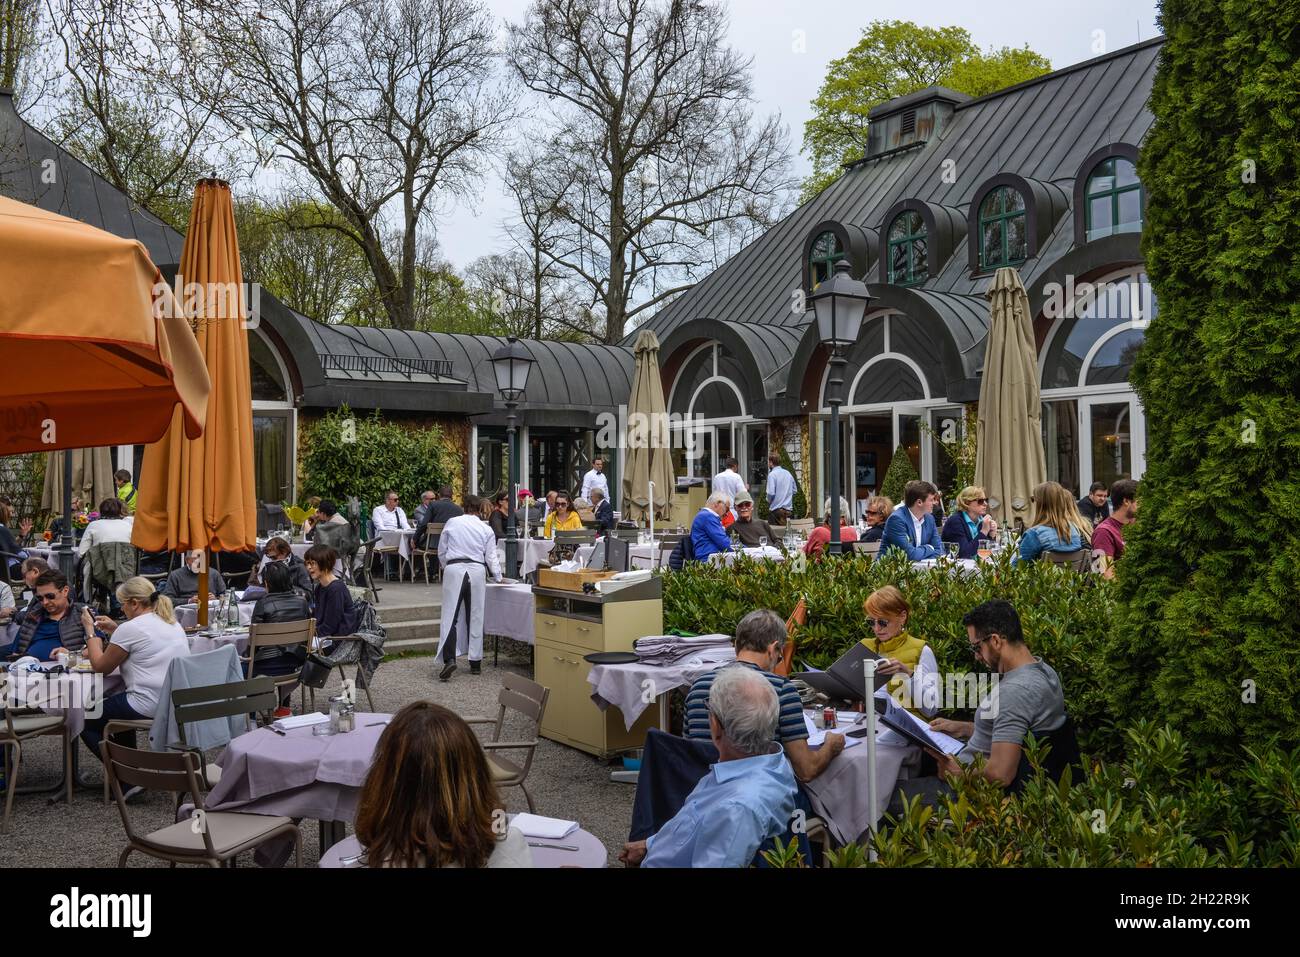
{"x":528,"y":698}
{"x":23,"y":724}
{"x":1080,"y":559}
{"x":280,"y":634}
{"x":215,"y":839}
{"x":231,"y":700}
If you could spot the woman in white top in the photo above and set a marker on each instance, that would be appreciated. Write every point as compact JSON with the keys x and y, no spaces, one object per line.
{"x":142,"y":648}
{"x":111,"y":526}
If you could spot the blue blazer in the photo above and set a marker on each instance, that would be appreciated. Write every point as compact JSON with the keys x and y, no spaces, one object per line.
{"x":708,"y":535}
{"x":956,"y":530}
{"x":899,"y":533}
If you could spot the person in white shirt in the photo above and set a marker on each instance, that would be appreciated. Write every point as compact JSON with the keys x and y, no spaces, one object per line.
{"x":467,"y":553}
{"x":595,"y":478}
{"x":388,"y":516}
{"x":729,"y":482}
{"x":111,"y":526}
{"x":142,"y":648}
{"x":780,"y":491}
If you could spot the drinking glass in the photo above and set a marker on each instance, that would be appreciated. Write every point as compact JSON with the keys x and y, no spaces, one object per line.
{"x":762,"y":541}
{"x":953,"y":549}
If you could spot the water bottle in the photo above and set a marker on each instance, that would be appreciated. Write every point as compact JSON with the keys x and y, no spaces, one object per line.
{"x":232,"y":610}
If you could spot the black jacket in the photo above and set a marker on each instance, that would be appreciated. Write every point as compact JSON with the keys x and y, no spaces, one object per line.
{"x":279,"y":606}
{"x":604,"y":516}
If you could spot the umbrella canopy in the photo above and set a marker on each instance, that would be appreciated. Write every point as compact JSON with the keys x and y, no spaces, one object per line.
{"x":95,"y":349}
{"x":649,"y":455}
{"x":1009,"y":458}
{"x":92,"y":478}
{"x":198,"y":492}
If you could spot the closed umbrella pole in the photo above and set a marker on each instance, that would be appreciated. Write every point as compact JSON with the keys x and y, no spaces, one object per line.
{"x":67,"y":564}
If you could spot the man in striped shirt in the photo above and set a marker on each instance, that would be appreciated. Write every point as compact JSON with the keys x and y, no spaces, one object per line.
{"x":760,"y":643}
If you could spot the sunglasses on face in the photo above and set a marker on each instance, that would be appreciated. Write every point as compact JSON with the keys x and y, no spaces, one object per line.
{"x":980,"y":501}
{"x":878,"y":622}
{"x":50,"y":597}
{"x":975,"y":646}
{"x":875,"y":511}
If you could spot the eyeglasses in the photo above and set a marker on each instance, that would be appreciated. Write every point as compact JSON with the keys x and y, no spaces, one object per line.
{"x":878,"y":622}
{"x":875,"y":511}
{"x":980,"y":501}
{"x":50,"y":597}
{"x":744,"y":505}
{"x":975,"y":646}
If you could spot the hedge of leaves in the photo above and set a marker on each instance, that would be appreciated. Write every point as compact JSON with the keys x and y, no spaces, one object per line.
{"x":1066,"y":616}
{"x":1209,"y":625}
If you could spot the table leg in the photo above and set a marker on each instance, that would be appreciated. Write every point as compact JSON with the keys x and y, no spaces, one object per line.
{"x":330,"y":833}
{"x":664,"y":714}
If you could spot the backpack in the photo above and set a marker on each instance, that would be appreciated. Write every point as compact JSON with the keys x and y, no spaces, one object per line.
{"x":684,"y":552}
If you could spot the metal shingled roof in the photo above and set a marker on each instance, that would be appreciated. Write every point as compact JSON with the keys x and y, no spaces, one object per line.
{"x":1042,"y":129}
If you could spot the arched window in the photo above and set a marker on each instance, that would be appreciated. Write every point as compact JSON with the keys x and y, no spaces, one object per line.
{"x":1113,"y":199}
{"x":908,"y":241}
{"x":1003,"y":235}
{"x":264,"y":372}
{"x":826,"y":252}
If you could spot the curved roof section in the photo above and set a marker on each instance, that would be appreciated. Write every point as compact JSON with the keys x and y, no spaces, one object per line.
{"x":1040,"y":130}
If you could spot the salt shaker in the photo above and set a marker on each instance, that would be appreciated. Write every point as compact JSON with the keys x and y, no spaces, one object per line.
{"x":336,"y":713}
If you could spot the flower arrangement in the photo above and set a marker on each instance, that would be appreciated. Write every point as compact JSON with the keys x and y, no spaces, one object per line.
{"x":82,"y":519}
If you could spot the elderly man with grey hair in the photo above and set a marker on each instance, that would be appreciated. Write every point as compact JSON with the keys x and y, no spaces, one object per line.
{"x":747,"y":797}
{"x":707,"y":534}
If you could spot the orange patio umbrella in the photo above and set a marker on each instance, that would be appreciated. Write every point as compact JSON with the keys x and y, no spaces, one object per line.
{"x":198,"y":492}
{"x":94,"y":347}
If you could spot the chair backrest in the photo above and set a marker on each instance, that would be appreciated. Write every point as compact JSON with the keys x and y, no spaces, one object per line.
{"x":801,"y":525}
{"x":1080,"y":559}
{"x":778,"y":530}
{"x":112,"y":563}
{"x":174,"y":771}
{"x":279,"y":633}
{"x":582,"y":536}
{"x":1063,"y":754}
{"x":229,"y":700}
{"x":523,"y":695}
{"x":627,"y":534}
{"x":867,"y":548}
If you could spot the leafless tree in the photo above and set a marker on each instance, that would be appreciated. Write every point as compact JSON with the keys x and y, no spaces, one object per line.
{"x":18,"y":26}
{"x":138,"y":101}
{"x":514,"y":298}
{"x":653,"y":115}
{"x":384,"y":106}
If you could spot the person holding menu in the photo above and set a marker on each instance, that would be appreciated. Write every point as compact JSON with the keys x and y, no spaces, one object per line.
{"x":908,"y":660}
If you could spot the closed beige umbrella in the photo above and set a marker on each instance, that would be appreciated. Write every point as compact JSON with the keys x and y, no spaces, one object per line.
{"x":649,"y":443}
{"x":92,"y":478}
{"x":1009,"y":460}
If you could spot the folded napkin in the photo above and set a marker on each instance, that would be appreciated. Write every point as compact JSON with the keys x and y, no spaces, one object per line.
{"x":300,"y":721}
{"x":547,"y":828}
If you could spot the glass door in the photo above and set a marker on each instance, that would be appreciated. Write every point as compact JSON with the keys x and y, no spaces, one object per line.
{"x":273,"y":455}
{"x":1113,"y":444}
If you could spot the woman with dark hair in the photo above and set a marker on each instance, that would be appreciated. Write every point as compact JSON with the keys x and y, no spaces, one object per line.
{"x":335,"y":611}
{"x":429,"y":801}
{"x":280,"y":603}
{"x":499,"y":514}
{"x":111,"y":526}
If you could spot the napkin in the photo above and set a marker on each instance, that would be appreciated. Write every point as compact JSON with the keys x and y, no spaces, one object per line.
{"x":547,"y":828}
{"x":300,"y":721}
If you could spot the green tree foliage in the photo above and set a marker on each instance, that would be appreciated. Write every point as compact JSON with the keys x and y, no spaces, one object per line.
{"x":894,"y":58}
{"x":1208,"y":628}
{"x":17,"y":34}
{"x":345,"y":455}
{"x":899,"y":473}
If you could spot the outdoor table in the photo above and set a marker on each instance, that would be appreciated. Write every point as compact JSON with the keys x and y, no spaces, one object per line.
{"x":531,"y":552}
{"x":625,"y":688}
{"x":769,"y":553}
{"x":508,"y":611}
{"x":590,"y":854}
{"x":298,"y":774}
{"x":188,"y":615}
{"x":201,"y":643}
{"x":399,"y":538}
{"x":957,"y":567}
{"x":77,"y":691}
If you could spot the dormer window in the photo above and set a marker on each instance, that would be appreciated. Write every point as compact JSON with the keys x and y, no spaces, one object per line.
{"x":908,"y":247}
{"x":1113,"y":199}
{"x":826,"y":252}
{"x":1003,"y":235}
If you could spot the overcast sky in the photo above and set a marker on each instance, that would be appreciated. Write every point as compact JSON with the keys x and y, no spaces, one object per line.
{"x":785,"y":80}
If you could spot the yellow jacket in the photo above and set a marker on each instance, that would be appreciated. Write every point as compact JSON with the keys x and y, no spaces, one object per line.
{"x":571,"y":524}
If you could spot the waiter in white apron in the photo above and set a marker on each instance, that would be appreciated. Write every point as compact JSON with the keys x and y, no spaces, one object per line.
{"x":467,"y":552}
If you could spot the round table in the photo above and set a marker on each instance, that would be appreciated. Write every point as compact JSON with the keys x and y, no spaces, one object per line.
{"x":590,"y":854}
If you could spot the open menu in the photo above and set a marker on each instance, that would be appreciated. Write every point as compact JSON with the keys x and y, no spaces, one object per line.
{"x":916,"y":731}
{"x":844,"y":679}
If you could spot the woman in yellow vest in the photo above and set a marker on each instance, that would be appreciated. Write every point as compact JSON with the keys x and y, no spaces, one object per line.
{"x":562,"y":518}
{"x":909,"y":659}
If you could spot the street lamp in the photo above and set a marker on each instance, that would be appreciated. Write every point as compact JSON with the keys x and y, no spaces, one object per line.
{"x":511,"y":364}
{"x":839,"y":304}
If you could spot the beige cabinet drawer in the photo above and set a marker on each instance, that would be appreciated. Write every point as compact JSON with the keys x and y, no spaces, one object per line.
{"x":551,"y":628}
{"x":571,"y":715}
{"x":587,"y":634}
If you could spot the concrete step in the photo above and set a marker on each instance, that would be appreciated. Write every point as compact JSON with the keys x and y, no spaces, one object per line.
{"x":429,"y":644}
{"x":398,"y":614}
{"x":422,"y":629}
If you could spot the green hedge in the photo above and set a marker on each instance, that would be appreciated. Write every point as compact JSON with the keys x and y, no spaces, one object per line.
{"x":1066,"y":616}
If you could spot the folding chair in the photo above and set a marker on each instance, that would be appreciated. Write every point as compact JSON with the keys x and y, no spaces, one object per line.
{"x":1080,"y":559}
{"x":431,"y":533}
{"x":23,"y":724}
{"x":214,"y":839}
{"x":528,"y":698}
{"x":231,"y":700}
{"x":280,"y":634}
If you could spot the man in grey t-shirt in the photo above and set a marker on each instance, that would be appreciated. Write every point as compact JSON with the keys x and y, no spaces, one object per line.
{"x":1027,"y":699}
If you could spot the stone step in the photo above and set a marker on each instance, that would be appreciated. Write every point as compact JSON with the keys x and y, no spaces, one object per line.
{"x":428,"y":643}
{"x":398,"y":614}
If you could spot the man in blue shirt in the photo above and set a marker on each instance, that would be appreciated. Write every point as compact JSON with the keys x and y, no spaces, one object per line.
{"x":780,"y":491}
{"x":707,"y":534}
{"x":912,"y":527}
{"x":747,"y":797}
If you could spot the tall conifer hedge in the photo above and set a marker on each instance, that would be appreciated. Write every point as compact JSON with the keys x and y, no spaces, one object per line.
{"x":1208,"y":633}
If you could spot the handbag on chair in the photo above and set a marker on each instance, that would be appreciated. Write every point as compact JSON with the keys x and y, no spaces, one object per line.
{"x":797,"y":618}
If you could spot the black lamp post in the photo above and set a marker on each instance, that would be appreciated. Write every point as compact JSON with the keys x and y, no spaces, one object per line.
{"x":512,"y":363}
{"x":839,"y":304}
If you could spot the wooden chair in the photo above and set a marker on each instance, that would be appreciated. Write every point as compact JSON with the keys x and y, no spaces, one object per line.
{"x":1080,"y":559}
{"x":232,"y":700}
{"x":432,"y":531}
{"x":23,"y":724}
{"x":214,"y":839}
{"x":528,"y":698}
{"x":280,"y":634}
{"x":384,"y":551}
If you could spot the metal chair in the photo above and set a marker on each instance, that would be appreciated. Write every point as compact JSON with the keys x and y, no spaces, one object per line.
{"x":280,"y":634}
{"x":215,"y":838}
{"x":23,"y":724}
{"x":1080,"y":559}
{"x":384,"y":551}
{"x":431,"y":533}
{"x":120,"y":726}
{"x":231,"y":700}
{"x":235,"y":568}
{"x":157,"y":578}
{"x":528,"y":698}
{"x":567,"y":542}
{"x":802,"y":526}
{"x":867,"y":548}
{"x":368,"y":570}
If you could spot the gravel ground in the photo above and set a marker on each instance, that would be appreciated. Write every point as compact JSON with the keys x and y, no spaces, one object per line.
{"x":564,"y":782}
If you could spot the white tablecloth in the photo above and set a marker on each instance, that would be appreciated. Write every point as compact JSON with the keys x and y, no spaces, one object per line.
{"x":399,"y":538}
{"x":769,"y":552}
{"x":634,"y":687}
{"x":508,"y":611}
{"x":531,"y":551}
{"x":71,"y":695}
{"x":960,"y":567}
{"x":839,"y":794}
{"x":201,"y":643}
{"x":188,"y":615}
